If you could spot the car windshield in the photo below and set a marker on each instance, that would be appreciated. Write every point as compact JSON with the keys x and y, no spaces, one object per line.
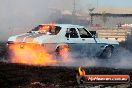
{"x":84,"y":33}
{"x":47,"y":29}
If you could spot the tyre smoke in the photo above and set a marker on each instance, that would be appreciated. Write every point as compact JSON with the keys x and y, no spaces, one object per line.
{"x":122,"y":59}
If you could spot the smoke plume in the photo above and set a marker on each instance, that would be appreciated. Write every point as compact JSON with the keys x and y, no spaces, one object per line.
{"x":121,"y":59}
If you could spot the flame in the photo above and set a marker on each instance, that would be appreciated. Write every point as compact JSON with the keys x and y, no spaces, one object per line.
{"x":46,"y":27}
{"x":63,"y":51}
{"x":35,"y":54}
{"x":32,"y":54}
{"x":81,"y":71}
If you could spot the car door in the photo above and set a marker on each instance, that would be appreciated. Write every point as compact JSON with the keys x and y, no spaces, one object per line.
{"x":89,"y":44}
{"x":73,"y":39}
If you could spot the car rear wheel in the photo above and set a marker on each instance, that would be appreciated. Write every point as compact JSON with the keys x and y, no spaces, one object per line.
{"x":62,"y":50}
{"x":107,"y":53}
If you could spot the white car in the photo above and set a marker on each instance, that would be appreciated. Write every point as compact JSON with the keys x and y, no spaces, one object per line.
{"x":78,"y":39}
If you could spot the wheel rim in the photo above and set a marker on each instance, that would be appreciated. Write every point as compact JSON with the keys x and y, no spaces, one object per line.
{"x":108,"y":52}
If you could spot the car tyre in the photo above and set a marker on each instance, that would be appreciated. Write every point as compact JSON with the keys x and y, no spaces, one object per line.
{"x":63,"y":49}
{"x":107,"y":53}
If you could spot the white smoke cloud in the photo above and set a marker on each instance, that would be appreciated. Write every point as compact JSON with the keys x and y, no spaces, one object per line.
{"x":17,"y":16}
{"x":122,"y":59}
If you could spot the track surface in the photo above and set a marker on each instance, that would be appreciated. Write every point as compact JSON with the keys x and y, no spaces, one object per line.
{"x":25,"y":76}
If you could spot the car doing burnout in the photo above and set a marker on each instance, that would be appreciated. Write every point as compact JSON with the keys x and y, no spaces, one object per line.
{"x":77,"y":39}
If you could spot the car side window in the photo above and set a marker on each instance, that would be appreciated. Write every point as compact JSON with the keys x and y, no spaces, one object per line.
{"x":84,"y":33}
{"x":55,"y":31}
{"x":71,"y":33}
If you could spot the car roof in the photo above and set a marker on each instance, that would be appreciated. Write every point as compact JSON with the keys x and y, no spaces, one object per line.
{"x":66,"y":25}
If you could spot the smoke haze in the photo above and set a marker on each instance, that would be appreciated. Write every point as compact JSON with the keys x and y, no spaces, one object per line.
{"x":17,"y":16}
{"x":122,"y":59}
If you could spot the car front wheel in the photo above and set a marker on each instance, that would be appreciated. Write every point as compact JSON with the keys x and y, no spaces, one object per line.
{"x":107,"y":53}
